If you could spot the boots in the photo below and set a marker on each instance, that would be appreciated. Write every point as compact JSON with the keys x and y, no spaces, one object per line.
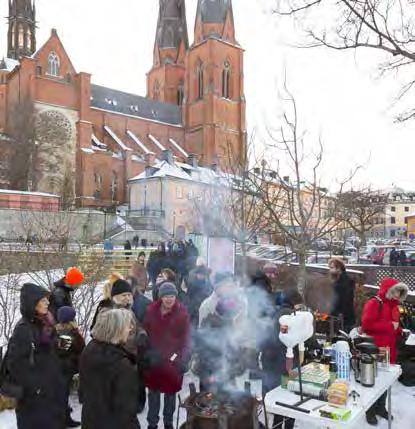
{"x":381,"y":407}
{"x":70,"y":423}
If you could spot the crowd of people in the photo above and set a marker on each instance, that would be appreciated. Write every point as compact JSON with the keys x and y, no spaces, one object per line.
{"x":139,"y":348}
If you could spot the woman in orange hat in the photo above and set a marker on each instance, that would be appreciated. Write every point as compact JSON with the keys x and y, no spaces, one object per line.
{"x":62,"y":293}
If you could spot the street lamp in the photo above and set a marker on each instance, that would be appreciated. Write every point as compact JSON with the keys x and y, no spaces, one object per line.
{"x":174,"y":224}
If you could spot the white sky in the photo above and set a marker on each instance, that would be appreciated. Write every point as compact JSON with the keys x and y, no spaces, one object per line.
{"x":338,"y":94}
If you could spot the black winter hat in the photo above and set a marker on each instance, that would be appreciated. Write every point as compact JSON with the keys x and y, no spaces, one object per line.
{"x":120,"y":286}
{"x":66,"y":314}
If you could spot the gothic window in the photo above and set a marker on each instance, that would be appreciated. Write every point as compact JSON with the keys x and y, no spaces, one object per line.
{"x":21,"y":36}
{"x":13,"y":35}
{"x":114,"y":186}
{"x":226,"y":80}
{"x":180,"y":94}
{"x":156,"y":90}
{"x":200,"y":80}
{"x":29,"y":39}
{"x":98,"y":185}
{"x":53,"y":64}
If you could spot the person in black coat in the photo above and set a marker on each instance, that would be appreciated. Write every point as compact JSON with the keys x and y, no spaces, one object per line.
{"x":63,"y":289}
{"x":33,"y":363}
{"x":344,"y":289}
{"x":140,"y":301}
{"x":108,"y":375}
{"x":273,"y":351}
{"x":199,"y":288}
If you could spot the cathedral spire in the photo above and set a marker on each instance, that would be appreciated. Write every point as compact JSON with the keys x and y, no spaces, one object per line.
{"x":214,"y":18}
{"x":22,"y":28}
{"x":171,"y":34}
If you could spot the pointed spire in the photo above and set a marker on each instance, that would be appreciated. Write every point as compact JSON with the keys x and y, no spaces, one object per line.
{"x":214,"y":18}
{"x":171,"y":26}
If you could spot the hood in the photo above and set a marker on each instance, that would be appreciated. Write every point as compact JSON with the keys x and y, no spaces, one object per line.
{"x":388,"y":286}
{"x":103,"y":355}
{"x":30,"y":295}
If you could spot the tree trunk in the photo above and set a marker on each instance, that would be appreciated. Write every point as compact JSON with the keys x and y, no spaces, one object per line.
{"x":302,"y":272}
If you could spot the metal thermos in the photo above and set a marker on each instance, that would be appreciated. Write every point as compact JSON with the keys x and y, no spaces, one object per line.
{"x":367,"y":371}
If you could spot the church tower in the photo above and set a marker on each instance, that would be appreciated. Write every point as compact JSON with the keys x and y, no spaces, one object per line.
{"x":22,"y":28}
{"x":165,"y":81}
{"x":214,"y":111}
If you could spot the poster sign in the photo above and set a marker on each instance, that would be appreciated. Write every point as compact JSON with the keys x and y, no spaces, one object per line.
{"x":221,"y":255}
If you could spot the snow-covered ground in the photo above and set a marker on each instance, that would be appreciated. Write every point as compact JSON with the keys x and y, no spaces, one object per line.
{"x":403,"y":402}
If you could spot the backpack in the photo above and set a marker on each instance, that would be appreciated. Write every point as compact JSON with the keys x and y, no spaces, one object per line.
{"x":408,"y":373}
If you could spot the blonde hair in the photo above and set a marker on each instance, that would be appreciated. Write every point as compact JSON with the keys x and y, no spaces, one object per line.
{"x":112,"y":278}
{"x":111,"y":326}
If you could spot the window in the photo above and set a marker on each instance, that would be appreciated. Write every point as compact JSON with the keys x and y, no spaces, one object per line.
{"x":38,"y":70}
{"x":114,"y":186}
{"x":179,"y":192}
{"x":406,"y":220}
{"x":393,"y":209}
{"x":156,"y":90}
{"x":407,"y":209}
{"x":200,"y":81}
{"x":21,"y":36}
{"x":29,"y":39}
{"x":13,"y":35}
{"x":180,"y":94}
{"x":393,"y":220}
{"x":226,"y":80}
{"x":393,"y":233}
{"x":53,"y":64}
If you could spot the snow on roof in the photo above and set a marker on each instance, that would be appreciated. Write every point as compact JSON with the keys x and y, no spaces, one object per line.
{"x":96,"y":142}
{"x":178,"y":147}
{"x":141,"y":145}
{"x":116,"y":138}
{"x":87,"y":150}
{"x":37,"y":194}
{"x":156,"y":142}
{"x":10,"y":64}
{"x":137,"y":158}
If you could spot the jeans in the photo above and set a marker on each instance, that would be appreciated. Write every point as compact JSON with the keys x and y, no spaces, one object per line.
{"x":154,"y":408}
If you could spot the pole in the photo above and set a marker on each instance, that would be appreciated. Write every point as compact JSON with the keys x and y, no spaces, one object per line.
{"x":105,"y":224}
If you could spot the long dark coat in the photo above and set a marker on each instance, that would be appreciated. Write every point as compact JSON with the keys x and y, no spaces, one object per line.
{"x":344,"y":289}
{"x":61,"y":296}
{"x":108,"y":387}
{"x":35,"y":366}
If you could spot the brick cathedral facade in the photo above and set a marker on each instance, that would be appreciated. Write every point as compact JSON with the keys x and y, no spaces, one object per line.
{"x":70,"y":136}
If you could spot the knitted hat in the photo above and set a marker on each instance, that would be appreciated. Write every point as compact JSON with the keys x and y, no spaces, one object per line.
{"x":120,"y":286}
{"x":66,"y":314}
{"x":222,"y":279}
{"x":73,"y":276}
{"x":167,"y":289}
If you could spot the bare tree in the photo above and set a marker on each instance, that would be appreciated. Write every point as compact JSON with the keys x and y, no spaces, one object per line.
{"x":361,"y":210}
{"x":301,"y":210}
{"x":9,"y":303}
{"x":383,"y":25}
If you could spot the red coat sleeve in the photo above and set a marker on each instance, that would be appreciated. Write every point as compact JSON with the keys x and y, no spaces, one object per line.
{"x":371,"y":321}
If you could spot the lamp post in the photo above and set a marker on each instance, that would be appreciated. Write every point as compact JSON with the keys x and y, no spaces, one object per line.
{"x":174,"y":224}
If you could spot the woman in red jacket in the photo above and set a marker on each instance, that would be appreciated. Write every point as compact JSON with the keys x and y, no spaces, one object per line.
{"x":380,"y":320}
{"x":167,"y":325}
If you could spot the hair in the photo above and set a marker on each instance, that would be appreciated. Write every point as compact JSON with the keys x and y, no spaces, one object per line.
{"x":170,"y":274}
{"x":142,"y":254}
{"x":339,"y":264}
{"x":112,"y":278}
{"x":111,"y":325}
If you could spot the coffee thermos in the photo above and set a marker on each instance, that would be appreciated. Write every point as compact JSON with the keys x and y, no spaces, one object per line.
{"x":367,"y":370}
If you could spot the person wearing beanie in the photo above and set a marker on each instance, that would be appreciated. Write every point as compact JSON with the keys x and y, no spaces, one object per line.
{"x":33,"y":363}
{"x":168,"y":328}
{"x":380,"y":320}
{"x":62,"y":292}
{"x":70,"y":346}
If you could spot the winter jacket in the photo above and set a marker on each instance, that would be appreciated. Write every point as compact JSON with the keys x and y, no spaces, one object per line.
{"x":169,"y":336}
{"x":103,"y":304}
{"x":379,"y":313}
{"x":139,"y":272}
{"x":34,"y":365}
{"x":140,"y":305}
{"x":108,"y":387}
{"x":70,"y":358}
{"x":344,"y":289}
{"x":197,"y":292}
{"x":60,"y":297}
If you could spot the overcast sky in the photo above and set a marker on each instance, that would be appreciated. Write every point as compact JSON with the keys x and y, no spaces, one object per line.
{"x":339,"y":95}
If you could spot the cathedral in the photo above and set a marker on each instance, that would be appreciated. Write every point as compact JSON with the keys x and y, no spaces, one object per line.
{"x":62,"y":134}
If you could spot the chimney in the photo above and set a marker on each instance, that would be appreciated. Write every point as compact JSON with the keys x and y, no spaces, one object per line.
{"x":192,"y":160}
{"x":167,"y":155}
{"x":150,"y":159}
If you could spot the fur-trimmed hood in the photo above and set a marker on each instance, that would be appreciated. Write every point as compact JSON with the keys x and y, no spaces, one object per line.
{"x":388,"y":286}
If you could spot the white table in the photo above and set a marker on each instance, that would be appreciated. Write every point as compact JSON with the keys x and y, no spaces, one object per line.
{"x":368,"y":396}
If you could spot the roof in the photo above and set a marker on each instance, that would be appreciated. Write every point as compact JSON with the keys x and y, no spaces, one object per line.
{"x":135,"y":105}
{"x":8,"y":64}
{"x":213,"y":11}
